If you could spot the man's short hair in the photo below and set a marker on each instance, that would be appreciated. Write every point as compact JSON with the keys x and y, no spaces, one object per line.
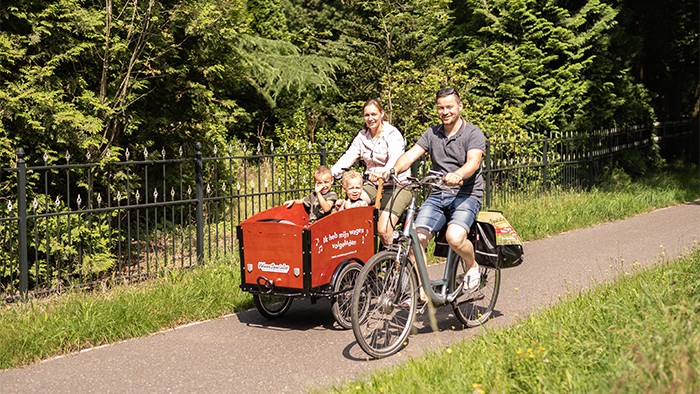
{"x":444,"y":92}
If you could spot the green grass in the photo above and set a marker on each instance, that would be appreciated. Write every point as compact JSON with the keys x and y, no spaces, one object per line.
{"x":43,"y":328}
{"x":638,"y":335}
{"x":40,"y":329}
{"x":542,"y":216}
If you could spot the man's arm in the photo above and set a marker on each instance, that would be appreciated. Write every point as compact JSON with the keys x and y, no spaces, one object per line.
{"x":467,"y":170}
{"x":408,"y":158}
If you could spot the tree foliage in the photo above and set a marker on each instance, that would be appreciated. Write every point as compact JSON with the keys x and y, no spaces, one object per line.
{"x":93,"y":76}
{"x":87,"y":77}
{"x":547,"y":62}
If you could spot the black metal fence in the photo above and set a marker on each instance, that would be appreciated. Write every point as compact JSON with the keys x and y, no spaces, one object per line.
{"x":83,"y":224}
{"x":522,"y":166}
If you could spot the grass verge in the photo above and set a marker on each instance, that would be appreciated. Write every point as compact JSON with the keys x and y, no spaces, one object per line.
{"x":640,"y":334}
{"x":44,"y":328}
{"x":78,"y":320}
{"x":542,"y":216}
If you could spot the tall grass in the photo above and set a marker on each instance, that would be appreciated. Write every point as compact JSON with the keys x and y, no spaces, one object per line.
{"x":542,"y":216}
{"x":44,"y":328}
{"x":638,"y":335}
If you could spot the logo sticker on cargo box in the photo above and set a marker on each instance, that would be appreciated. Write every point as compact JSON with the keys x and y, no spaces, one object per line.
{"x":273,"y":267}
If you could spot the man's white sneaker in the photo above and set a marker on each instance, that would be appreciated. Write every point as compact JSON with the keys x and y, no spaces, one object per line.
{"x":472,"y":279}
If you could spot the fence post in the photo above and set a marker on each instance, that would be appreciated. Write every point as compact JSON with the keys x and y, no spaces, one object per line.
{"x":545,"y":163}
{"x":323,"y":152}
{"x":591,"y":136}
{"x":487,"y":164}
{"x":22,"y":224}
{"x":199,"y":175}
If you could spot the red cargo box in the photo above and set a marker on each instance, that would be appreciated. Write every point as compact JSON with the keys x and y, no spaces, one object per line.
{"x":282,"y":254}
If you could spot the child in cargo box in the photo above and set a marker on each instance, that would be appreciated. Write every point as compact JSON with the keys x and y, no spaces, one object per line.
{"x":355,"y":195}
{"x":321,"y":201}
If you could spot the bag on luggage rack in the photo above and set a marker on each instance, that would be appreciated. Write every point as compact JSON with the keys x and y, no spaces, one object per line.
{"x":496,"y":243}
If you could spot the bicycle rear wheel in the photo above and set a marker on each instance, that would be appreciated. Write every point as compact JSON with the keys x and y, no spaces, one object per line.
{"x":474,"y":309}
{"x":384,"y":305}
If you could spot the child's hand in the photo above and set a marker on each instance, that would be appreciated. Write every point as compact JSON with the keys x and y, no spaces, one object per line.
{"x":318,"y":188}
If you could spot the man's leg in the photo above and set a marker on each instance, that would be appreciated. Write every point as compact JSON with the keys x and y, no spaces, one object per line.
{"x":464,"y":212}
{"x":456,"y":237}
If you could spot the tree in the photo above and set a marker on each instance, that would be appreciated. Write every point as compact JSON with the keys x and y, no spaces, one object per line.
{"x":395,"y":51}
{"x":126,"y":72}
{"x":658,"y":41}
{"x":546,"y":61}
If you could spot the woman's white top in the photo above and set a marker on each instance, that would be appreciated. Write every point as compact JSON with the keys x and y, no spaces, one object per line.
{"x":379,"y":154}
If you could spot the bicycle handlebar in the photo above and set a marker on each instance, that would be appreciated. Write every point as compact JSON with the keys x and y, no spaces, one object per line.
{"x":433,"y":179}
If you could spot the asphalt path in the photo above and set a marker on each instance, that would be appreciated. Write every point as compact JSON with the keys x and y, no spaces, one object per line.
{"x":305,"y":349}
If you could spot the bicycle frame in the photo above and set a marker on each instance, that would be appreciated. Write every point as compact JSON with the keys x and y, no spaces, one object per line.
{"x":385,"y":295}
{"x":409,"y":237}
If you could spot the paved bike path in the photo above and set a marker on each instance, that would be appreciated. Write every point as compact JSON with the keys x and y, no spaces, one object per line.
{"x":245,"y":353}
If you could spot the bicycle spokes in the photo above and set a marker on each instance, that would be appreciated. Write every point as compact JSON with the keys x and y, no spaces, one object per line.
{"x":384,"y":305}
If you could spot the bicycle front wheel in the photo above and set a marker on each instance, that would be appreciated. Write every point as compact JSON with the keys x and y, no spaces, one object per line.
{"x":474,"y":309}
{"x":384,"y":305}
{"x":272,"y":306}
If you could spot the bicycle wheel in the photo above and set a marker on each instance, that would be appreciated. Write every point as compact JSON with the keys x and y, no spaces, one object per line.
{"x":383,"y":305}
{"x":342,"y":302}
{"x":474,"y":309}
{"x":272,"y":306}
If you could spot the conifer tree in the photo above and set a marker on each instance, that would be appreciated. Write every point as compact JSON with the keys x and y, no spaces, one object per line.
{"x":546,"y":60}
{"x":89,"y":76}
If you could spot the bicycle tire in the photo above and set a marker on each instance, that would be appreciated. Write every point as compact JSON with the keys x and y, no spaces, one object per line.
{"x":272,"y":306}
{"x":342,"y":301}
{"x":474,"y":309}
{"x":381,"y":322}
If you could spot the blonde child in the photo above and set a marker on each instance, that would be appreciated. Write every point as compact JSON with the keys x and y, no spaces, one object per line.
{"x":355,"y":195}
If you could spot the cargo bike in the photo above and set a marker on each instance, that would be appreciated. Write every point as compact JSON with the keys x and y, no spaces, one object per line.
{"x":284,"y":257}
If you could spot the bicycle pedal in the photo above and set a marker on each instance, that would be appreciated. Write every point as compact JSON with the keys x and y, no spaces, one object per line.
{"x":472,"y":297}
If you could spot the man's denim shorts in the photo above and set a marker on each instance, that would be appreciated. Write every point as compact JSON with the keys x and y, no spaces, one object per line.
{"x":441,"y":207}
